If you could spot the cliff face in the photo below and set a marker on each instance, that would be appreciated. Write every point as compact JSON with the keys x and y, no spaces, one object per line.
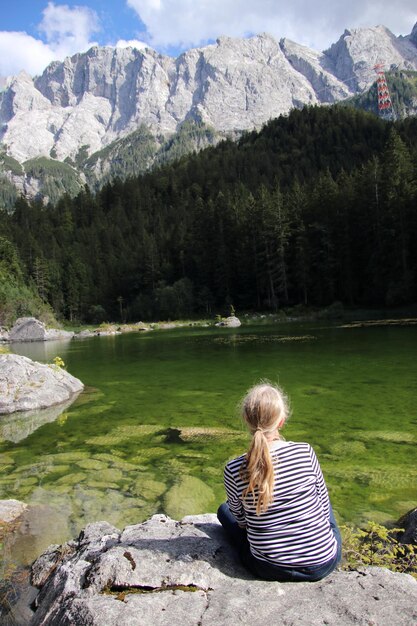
{"x":166,"y":572}
{"x":89,"y":101}
{"x":358,"y":51}
{"x":93,"y":98}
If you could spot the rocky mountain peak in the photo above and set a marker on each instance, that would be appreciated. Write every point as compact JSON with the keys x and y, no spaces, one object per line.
{"x":413,"y":36}
{"x":91,"y":99}
{"x":360,"y":49}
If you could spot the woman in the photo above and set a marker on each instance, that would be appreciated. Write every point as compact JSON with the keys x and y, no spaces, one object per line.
{"x":278,"y":511}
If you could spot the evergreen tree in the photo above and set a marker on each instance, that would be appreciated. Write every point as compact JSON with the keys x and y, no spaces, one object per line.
{"x":398,"y":198}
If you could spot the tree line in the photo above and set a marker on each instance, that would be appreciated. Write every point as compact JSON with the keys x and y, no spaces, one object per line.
{"x":319,"y":206}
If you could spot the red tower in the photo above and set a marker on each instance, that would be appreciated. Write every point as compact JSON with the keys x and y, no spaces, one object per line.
{"x":385,"y":108}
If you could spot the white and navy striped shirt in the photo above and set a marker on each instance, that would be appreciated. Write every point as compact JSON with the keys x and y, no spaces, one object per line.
{"x":295,"y":530}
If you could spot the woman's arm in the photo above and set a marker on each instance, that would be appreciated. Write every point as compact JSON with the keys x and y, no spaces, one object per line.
{"x":233,"y":498}
{"x":320,"y":484}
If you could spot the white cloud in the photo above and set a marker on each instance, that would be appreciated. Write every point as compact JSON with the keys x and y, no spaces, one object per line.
{"x":131,"y":43}
{"x":310,"y":22}
{"x":66,"y":31}
{"x":20,"y":51}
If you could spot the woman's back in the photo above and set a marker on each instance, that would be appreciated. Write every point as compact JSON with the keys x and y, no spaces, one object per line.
{"x":295,"y":529}
{"x":278,"y":512}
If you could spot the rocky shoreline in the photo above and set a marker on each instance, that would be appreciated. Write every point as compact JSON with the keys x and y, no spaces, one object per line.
{"x":165,"y":572}
{"x":30,"y":329}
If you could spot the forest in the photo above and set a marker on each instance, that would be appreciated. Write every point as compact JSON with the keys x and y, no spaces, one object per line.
{"x":319,"y":206}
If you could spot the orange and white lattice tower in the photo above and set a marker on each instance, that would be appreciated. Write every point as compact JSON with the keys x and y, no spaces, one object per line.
{"x":385,"y":108}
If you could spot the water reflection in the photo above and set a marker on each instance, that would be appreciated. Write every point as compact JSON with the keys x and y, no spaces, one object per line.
{"x":43,"y":351}
{"x":17,"y":426}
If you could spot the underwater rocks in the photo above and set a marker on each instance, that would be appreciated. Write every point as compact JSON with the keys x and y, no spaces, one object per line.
{"x":26,"y":385}
{"x":11,"y":510}
{"x":188,"y":495}
{"x":166,"y":572}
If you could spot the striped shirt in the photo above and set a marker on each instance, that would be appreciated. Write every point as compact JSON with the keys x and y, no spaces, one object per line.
{"x":295,"y":530}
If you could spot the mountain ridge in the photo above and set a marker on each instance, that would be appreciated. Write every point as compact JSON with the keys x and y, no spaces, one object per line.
{"x":79,"y":107}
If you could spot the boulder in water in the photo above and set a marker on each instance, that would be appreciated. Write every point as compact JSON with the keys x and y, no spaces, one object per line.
{"x":32,"y":329}
{"x":27,"y":385}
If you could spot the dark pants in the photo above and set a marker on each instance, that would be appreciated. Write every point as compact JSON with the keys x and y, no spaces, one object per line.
{"x":261,"y":569}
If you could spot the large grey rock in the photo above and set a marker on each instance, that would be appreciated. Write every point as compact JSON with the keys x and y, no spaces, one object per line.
{"x":27,"y":385}
{"x":31,"y":329}
{"x":167,"y":572}
{"x":28,"y":329}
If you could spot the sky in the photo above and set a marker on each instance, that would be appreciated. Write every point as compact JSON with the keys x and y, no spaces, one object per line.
{"x":35,"y":32}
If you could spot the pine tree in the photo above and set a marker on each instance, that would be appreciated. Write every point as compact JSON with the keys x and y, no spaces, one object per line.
{"x":398,"y":198}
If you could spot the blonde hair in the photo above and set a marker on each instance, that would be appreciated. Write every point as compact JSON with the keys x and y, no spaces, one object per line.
{"x":264,"y":409}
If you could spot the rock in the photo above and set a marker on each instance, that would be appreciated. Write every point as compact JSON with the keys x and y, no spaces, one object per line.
{"x":317,"y":68}
{"x":31,"y":329}
{"x":85,"y":334}
{"x":203,"y":433}
{"x":188,"y":494}
{"x":22,"y":541}
{"x":10,"y":510}
{"x":167,"y":572}
{"x":409,"y":523}
{"x":28,"y":329}
{"x":360,"y":49}
{"x":413,"y":36}
{"x":230,"y":322}
{"x":27,"y":385}
{"x":53,"y":334}
{"x":140,"y":326}
{"x":34,"y":529}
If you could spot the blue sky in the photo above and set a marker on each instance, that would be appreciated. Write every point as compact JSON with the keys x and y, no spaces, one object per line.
{"x":116,"y":19}
{"x":35,"y":32}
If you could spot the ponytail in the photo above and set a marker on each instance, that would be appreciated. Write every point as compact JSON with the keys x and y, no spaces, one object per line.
{"x":265,"y":409}
{"x":260,"y":473}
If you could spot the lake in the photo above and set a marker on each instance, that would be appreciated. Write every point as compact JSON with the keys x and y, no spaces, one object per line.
{"x":158,"y":420}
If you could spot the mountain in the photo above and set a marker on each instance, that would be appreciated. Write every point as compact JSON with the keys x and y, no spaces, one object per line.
{"x":402,"y":85}
{"x":82,"y":119}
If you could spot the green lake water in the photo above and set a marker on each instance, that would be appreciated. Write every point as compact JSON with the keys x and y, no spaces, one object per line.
{"x":158,"y":420}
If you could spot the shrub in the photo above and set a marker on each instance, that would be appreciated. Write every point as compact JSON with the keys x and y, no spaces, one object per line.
{"x":377,"y":545}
